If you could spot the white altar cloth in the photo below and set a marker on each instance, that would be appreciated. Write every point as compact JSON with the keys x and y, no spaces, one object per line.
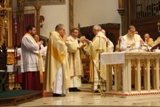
{"x":112,"y":58}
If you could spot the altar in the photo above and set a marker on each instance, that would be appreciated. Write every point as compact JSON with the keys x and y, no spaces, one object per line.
{"x":135,"y":73}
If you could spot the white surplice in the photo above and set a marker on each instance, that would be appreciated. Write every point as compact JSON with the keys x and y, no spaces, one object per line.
{"x":29,"y":51}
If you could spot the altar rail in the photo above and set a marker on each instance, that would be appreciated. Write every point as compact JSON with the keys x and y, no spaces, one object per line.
{"x":139,"y":74}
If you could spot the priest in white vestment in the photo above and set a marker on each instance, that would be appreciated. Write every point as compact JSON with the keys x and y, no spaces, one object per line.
{"x":57,"y":76}
{"x":75,"y":65}
{"x":131,"y":41}
{"x":31,"y":63}
{"x":99,"y":41}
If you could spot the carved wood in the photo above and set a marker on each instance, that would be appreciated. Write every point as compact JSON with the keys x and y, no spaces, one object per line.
{"x":2,"y":61}
{"x":44,"y":2}
{"x":147,"y":25}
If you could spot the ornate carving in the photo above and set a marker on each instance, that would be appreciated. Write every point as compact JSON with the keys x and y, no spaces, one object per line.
{"x":41,"y":20}
{"x":121,"y":9}
{"x":43,"y":2}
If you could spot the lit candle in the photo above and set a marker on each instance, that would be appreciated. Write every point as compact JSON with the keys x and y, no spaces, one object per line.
{"x":120,"y":3}
{"x":5,"y":3}
{"x":99,"y":42}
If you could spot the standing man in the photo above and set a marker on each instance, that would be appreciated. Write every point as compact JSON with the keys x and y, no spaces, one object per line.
{"x":75,"y":65}
{"x":98,"y":42}
{"x":31,"y":63}
{"x":57,"y":76}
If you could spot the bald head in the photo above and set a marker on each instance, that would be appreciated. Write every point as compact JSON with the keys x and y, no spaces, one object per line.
{"x":103,"y":31}
{"x":146,"y":36}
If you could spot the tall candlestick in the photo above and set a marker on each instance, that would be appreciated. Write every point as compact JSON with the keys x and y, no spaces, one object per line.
{"x":99,"y":42}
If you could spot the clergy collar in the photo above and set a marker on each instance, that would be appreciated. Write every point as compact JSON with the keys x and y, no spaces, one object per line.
{"x":130,"y":35}
{"x":73,"y":37}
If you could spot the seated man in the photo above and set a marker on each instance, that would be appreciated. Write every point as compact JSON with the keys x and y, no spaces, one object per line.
{"x":131,"y":40}
{"x":149,"y":41}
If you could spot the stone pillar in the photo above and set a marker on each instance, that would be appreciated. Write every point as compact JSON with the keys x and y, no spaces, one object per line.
{"x":71,"y":14}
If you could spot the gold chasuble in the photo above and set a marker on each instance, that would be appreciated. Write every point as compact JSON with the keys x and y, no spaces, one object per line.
{"x":157,"y":41}
{"x":150,"y":42}
{"x":94,"y":58}
{"x":56,"y":57}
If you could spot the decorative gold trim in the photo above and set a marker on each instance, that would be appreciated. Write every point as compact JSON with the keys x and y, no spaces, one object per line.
{"x":2,"y":31}
{"x":44,"y":2}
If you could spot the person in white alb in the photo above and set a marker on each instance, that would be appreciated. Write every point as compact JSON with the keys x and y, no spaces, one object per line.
{"x":75,"y":66}
{"x":31,"y":61}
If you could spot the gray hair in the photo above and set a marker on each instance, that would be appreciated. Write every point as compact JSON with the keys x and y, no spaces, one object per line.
{"x":97,"y":27}
{"x":59,"y":27}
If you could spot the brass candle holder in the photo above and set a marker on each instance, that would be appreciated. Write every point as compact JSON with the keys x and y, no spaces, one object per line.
{"x":99,"y":86}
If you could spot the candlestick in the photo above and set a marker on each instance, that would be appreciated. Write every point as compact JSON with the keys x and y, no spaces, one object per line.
{"x":99,"y":42}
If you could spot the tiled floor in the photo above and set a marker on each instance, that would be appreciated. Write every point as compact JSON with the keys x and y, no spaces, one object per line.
{"x":85,"y":97}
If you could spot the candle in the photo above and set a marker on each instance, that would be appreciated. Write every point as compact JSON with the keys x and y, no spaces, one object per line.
{"x":99,"y":42}
{"x":120,"y":3}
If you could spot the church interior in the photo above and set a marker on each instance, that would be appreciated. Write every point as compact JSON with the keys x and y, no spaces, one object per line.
{"x":132,"y":77}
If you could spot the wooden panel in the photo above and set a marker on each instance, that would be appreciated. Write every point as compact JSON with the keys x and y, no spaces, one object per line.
{"x":85,"y":63}
{"x":147,"y":25}
{"x":2,"y":61}
{"x":112,"y":31}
